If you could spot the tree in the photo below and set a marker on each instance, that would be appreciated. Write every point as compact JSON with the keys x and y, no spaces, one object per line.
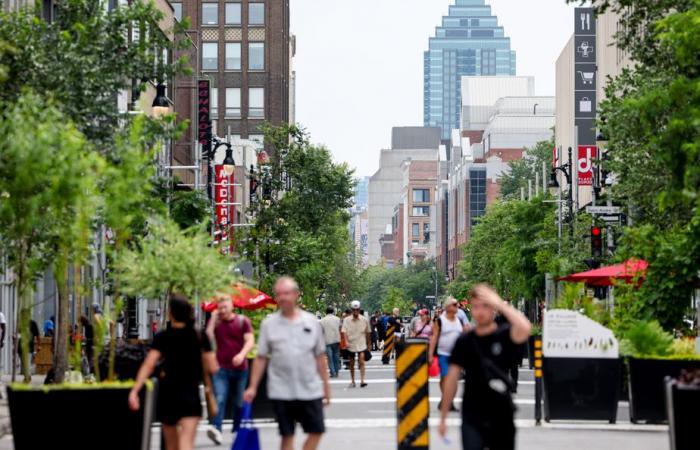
{"x":526,"y":169}
{"x":47,"y":185}
{"x":301,"y":214}
{"x":396,"y":298}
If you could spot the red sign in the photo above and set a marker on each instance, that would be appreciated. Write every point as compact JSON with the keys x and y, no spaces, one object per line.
{"x":586,"y":155}
{"x":222,"y":196}
{"x":555,"y":157}
{"x":203,"y":109}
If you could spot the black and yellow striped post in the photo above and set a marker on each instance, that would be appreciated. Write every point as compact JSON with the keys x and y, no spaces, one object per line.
{"x":412,"y":402}
{"x":538,"y":380}
{"x":388,"y":344}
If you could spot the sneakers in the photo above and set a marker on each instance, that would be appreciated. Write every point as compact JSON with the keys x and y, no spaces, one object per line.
{"x":214,"y":435}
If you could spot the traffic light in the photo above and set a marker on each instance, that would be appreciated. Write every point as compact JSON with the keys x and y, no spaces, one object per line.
{"x":596,"y":242}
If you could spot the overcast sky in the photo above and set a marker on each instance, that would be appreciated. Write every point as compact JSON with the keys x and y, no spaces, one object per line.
{"x":359,"y":64}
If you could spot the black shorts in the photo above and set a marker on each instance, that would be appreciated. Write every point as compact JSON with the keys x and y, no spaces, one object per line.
{"x":309,"y":413}
{"x":171,"y":406}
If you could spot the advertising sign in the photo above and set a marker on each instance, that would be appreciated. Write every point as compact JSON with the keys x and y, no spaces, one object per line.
{"x":221,"y":196}
{"x":570,"y":334}
{"x":586,"y":155}
{"x":585,"y":75}
{"x":203,"y":110}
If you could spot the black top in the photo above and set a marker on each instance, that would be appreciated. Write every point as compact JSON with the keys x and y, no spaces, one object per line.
{"x":498,"y":347}
{"x":181,"y":350}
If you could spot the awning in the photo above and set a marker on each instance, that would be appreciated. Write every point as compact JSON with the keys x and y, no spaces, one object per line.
{"x":605,"y":276}
{"x":244,"y":297}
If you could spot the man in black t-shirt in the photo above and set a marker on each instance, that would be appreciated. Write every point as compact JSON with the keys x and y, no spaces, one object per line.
{"x":485,"y":354}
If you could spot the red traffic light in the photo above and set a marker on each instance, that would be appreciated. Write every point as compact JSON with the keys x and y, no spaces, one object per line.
{"x":595,"y":231}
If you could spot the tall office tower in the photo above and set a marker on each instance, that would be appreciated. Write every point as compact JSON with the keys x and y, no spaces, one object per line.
{"x":469,"y":42}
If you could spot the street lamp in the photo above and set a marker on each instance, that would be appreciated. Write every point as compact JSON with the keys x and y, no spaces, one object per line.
{"x":229,"y":164}
{"x":554,"y":187}
{"x":161,"y":103}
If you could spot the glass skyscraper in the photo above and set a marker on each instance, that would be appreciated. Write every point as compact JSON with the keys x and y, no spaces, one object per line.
{"x":469,"y":42}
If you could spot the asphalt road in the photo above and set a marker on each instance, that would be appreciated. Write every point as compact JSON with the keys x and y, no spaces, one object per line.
{"x":365,"y":418}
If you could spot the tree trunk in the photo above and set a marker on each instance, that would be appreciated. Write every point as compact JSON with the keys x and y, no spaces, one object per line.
{"x":63,"y":322}
{"x":25,"y":313}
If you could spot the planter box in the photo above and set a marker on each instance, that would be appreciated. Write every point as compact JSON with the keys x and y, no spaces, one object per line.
{"x":79,"y":418}
{"x":646,"y":386}
{"x":581,"y":388}
{"x":681,"y":406}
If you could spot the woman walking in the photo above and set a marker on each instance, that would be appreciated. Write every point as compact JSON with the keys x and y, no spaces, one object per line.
{"x":185,"y":355}
{"x":424,"y":327}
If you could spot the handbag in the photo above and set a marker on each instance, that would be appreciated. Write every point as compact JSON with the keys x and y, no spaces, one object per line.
{"x":247,"y":437}
{"x":368,"y":355}
{"x":434,"y":369}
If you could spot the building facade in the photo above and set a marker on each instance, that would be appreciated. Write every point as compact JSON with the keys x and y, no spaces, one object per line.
{"x":468,"y":42}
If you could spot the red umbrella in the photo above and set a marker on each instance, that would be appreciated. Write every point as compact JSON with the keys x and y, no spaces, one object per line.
{"x":604,"y":276}
{"x":246,"y":297}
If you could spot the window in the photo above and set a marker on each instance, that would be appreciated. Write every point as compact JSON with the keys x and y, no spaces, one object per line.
{"x":477,"y":195}
{"x":210,"y":56}
{"x":256,"y":13}
{"x":214,"y":101}
{"x":233,"y":56}
{"x":421,"y":211}
{"x":256,"y":102}
{"x":415,"y":230}
{"x":177,"y":11}
{"x":233,"y":13}
{"x":210,"y":13}
{"x":421,"y":195}
{"x":256,"y":56}
{"x":233,"y":102}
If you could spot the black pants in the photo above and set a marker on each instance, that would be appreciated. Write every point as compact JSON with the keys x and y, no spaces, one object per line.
{"x":513,"y":372}
{"x":495,"y":435}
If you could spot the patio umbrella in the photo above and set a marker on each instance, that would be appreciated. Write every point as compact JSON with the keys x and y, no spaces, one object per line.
{"x":246,"y":297}
{"x":605,"y":276}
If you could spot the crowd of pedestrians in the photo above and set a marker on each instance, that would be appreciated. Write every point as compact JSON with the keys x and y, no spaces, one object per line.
{"x":299,"y":353}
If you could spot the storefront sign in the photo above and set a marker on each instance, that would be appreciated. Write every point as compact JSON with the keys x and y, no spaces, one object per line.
{"x":570,"y":334}
{"x":203,"y":110}
{"x":221,"y":196}
{"x":586,"y":155}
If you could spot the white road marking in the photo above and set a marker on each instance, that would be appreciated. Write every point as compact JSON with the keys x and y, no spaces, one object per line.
{"x":392,"y":380}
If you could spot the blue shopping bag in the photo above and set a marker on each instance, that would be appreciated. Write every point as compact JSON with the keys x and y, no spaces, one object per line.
{"x":247,"y":437}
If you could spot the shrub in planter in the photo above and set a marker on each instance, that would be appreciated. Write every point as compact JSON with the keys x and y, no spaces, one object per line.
{"x":653,"y":356}
{"x":89,"y":407}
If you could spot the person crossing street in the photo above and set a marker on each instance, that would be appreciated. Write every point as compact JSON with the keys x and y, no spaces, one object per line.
{"x":357,"y":333}
{"x":331,"y":333}
{"x":393,"y":326}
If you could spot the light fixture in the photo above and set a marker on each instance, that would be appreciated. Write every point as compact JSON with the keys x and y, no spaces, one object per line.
{"x":229,"y":163}
{"x":601,"y":141}
{"x":161,"y":104}
{"x":553,"y":184}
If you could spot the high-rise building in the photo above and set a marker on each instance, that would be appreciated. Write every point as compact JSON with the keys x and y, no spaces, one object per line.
{"x":469,"y":42}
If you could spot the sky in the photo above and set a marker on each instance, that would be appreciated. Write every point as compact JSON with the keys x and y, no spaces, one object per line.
{"x":359,"y":64}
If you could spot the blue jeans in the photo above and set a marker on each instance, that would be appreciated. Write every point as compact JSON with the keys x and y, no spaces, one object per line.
{"x":229,"y":382}
{"x":333,"y":354}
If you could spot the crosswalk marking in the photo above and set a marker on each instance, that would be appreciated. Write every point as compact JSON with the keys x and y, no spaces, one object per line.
{"x":393,"y":381}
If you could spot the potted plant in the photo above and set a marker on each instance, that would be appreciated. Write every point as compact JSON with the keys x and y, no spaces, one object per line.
{"x":682,"y":400}
{"x":652,"y":355}
{"x":534,"y":334}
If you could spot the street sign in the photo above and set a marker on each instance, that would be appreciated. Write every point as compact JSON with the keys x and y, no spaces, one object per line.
{"x":603,"y":209}
{"x":615,"y":218}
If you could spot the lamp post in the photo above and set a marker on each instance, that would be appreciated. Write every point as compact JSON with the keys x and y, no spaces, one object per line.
{"x":554,"y":187}
{"x":161,"y":103}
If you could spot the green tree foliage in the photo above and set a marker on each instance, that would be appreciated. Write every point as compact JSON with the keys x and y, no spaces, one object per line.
{"x":396,"y":298}
{"x":651,"y":118}
{"x":84,"y":58}
{"x":301,"y":215}
{"x":526,"y":169}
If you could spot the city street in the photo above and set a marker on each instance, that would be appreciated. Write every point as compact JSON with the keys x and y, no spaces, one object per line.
{"x":366,"y":418}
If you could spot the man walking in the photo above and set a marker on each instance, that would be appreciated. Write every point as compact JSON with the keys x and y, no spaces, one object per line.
{"x":291,"y":343}
{"x":233,"y":334}
{"x":357,"y":333}
{"x":374,"y":329}
{"x":485,"y":354}
{"x":331,"y":334}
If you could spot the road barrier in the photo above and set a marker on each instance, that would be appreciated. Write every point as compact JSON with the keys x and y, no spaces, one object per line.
{"x":412,"y":402}
{"x":388,"y":344}
{"x":538,"y":379}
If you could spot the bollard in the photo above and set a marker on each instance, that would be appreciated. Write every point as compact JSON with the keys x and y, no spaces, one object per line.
{"x":412,"y":402}
{"x":538,"y":380}
{"x":388,"y":344}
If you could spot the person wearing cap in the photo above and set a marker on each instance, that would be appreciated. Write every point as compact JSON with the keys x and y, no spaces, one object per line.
{"x":422,"y":329}
{"x":357,"y":334}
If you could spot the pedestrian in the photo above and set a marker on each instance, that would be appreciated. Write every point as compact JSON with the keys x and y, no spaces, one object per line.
{"x":374,"y":330}
{"x":393,"y":332}
{"x":3,"y":329}
{"x":291,"y":343}
{"x":462,"y":314}
{"x":49,"y":326}
{"x":331,"y":334}
{"x":381,"y":328}
{"x":485,"y":354}
{"x":88,"y":335}
{"x":447,"y":329}
{"x":344,"y":353}
{"x":185,"y":355}
{"x":423,"y":328}
{"x":356,"y":331}
{"x":233,"y":334}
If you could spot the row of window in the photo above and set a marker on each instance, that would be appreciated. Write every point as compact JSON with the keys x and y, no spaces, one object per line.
{"x":210,"y":56}
{"x":416,"y":230}
{"x":232,"y":14}
{"x":256,"y":102}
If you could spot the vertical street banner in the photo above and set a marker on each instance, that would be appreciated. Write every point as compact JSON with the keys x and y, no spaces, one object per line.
{"x":222,"y":200}
{"x":585,"y":75}
{"x":586,"y":155}
{"x":203,"y":112}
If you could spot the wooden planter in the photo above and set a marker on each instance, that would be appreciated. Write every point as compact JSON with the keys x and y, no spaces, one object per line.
{"x":646,"y":386}
{"x":581,"y":388}
{"x":79,"y":418}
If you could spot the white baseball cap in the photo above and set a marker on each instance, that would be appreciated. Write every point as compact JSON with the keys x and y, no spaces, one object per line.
{"x":355,"y":304}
